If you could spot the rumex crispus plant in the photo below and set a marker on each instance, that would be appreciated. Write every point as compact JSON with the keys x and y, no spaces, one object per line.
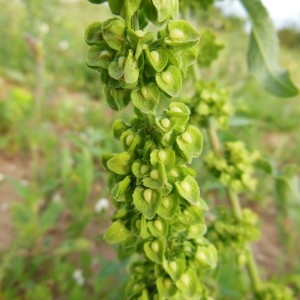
{"x":143,"y":55}
{"x":159,"y":212}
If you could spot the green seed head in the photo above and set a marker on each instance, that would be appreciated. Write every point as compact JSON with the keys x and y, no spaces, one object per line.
{"x":155,"y":246}
{"x":121,"y":61}
{"x":167,"y":283}
{"x":154,"y":174}
{"x":176,"y":34}
{"x":185,"y":186}
{"x":185,"y":279}
{"x":200,"y":256}
{"x":155,"y":56}
{"x":144,"y":169}
{"x":148,"y":195}
{"x":165,"y":123}
{"x":158,"y":225}
{"x":129,"y":139}
{"x":139,"y":33}
{"x":176,"y":109}
{"x":187,"y":137}
{"x":162,"y":155}
{"x":167,"y":77}
{"x":174,"y":173}
{"x":173,"y":266}
{"x":105,"y":53}
{"x":166,"y":202}
{"x":144,"y":92}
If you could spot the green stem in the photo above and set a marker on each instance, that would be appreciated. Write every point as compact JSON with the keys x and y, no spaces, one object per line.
{"x":127,"y":16}
{"x":236,"y":208}
{"x":213,"y":137}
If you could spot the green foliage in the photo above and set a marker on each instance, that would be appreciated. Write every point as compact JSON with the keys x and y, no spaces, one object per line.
{"x":263,"y":51}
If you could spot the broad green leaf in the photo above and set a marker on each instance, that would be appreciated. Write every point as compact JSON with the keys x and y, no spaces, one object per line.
{"x":170,"y":81}
{"x":166,"y":287}
{"x":146,"y":98}
{"x":188,"y":189}
{"x":120,"y":163}
{"x":155,"y":250}
{"x":174,"y":268}
{"x":93,"y":34}
{"x":99,"y":56}
{"x":263,"y":52}
{"x":158,"y":59}
{"x":188,"y":283}
{"x":190,"y":142}
{"x":168,"y":207}
{"x":116,"y":233}
{"x":158,"y":228}
{"x":114,"y":33}
{"x":146,"y":201}
{"x":181,"y":35}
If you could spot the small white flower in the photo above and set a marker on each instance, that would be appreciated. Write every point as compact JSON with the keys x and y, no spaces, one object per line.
{"x":101,"y":205}
{"x":63,"y":45}
{"x":78,"y":277}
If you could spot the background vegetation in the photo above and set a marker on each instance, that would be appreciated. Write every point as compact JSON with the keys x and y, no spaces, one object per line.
{"x":55,"y":124}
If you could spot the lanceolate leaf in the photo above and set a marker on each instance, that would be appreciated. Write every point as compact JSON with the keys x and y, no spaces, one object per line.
{"x":263,"y":51}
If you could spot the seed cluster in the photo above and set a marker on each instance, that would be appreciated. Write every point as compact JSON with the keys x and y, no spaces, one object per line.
{"x":159,"y":212}
{"x":208,"y":102}
{"x":235,"y":169}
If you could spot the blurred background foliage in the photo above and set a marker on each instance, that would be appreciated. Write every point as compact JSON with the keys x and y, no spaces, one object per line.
{"x":55,"y":124}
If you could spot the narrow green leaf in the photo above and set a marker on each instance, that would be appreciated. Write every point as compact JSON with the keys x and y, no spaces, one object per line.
{"x":263,"y":53}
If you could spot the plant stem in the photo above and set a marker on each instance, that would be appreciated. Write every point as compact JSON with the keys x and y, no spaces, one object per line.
{"x":213,"y":137}
{"x":236,"y":208}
